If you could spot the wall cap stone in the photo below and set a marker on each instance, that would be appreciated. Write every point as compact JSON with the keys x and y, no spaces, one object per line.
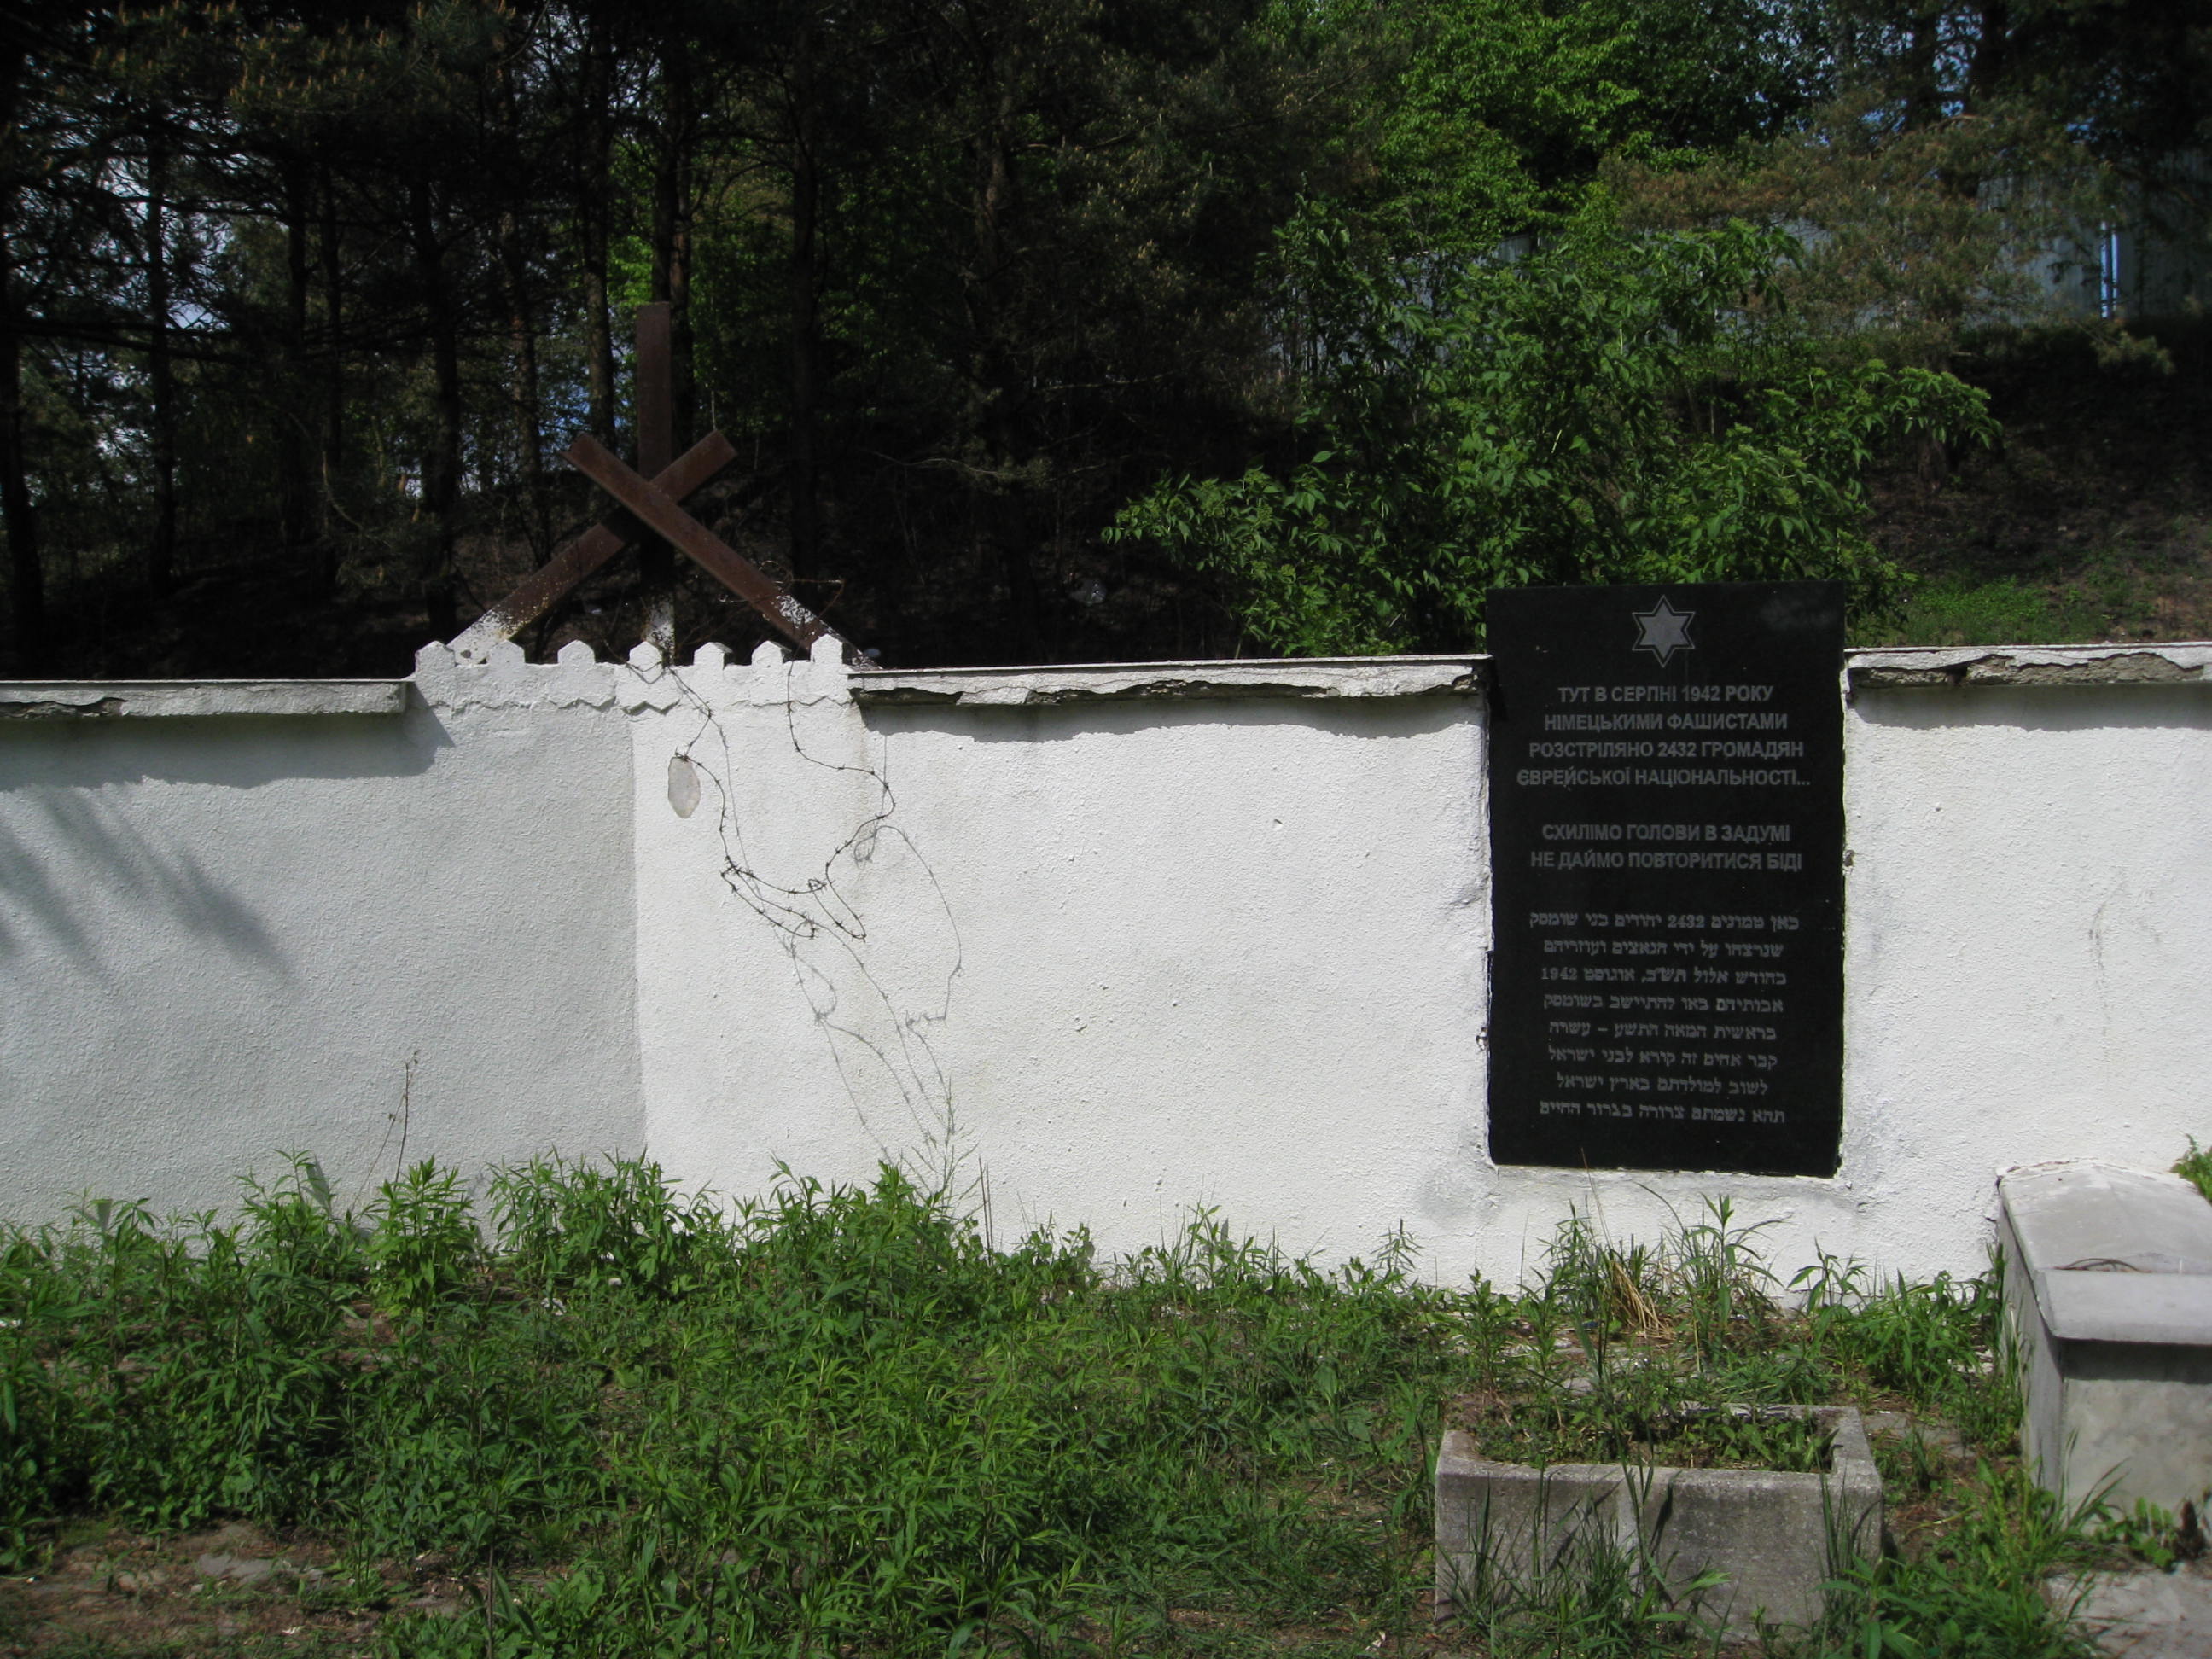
{"x":580,"y":680}
{"x":31,"y":700}
{"x":1939,"y":667}
{"x":1119,"y":682}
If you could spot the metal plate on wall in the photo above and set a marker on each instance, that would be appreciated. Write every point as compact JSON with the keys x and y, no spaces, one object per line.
{"x":1666,"y":824}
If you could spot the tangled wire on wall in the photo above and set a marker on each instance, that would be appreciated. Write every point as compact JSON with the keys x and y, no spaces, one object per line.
{"x":880,"y":995}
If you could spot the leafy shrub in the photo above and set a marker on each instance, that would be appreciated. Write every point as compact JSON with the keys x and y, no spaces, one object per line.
{"x":1611,"y":408}
{"x":421,"y":1245}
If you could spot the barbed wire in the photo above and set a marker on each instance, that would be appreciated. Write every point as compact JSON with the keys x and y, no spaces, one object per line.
{"x":823,"y":911}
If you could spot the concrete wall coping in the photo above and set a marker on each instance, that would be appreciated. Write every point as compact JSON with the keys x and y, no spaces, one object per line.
{"x":1298,"y":677}
{"x":197,"y":699}
{"x":580,"y":678}
{"x":1934,"y":667}
{"x":2184,"y":664}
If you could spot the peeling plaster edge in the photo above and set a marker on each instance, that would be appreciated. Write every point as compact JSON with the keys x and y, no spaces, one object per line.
{"x":1289,"y":677}
{"x":41,"y":700}
{"x":2055,"y":665}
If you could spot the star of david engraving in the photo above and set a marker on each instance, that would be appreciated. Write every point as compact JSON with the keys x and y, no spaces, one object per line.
{"x":1663,"y":630}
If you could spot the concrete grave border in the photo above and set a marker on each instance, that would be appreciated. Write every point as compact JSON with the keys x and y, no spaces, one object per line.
{"x":1780,"y":1537}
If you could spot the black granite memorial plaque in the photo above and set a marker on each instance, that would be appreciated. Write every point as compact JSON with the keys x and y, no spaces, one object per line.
{"x":1667,"y":893}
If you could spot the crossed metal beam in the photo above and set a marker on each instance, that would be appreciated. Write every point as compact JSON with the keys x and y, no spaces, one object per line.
{"x":649,"y":510}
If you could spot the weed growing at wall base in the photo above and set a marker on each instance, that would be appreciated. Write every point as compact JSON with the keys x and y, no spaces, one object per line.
{"x":2194,"y":1166}
{"x":833,"y":1420}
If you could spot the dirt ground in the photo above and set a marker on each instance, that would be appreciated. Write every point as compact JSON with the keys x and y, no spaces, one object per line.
{"x":241,"y":1592}
{"x":237,"y":1590}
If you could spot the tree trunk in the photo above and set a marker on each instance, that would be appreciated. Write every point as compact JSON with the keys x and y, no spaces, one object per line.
{"x":670,"y":280}
{"x":523,"y":388}
{"x":597,"y":191}
{"x":805,"y":322}
{"x":522,"y":341}
{"x":997,"y":379}
{"x":441,"y":465}
{"x":1985,"y":72}
{"x":162,"y":551}
{"x":1923,"y":98}
{"x":334,"y":408}
{"x":1011,"y":521}
{"x":671,"y":272}
{"x":26,"y":573}
{"x":295,"y":441}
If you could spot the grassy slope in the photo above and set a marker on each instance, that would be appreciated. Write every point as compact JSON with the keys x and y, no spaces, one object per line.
{"x":2092,"y":521}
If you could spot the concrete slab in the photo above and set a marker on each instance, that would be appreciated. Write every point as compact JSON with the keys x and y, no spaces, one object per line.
{"x":1304,"y":677}
{"x":2087,"y":1216}
{"x":2146,"y":1615}
{"x":2108,"y":1284}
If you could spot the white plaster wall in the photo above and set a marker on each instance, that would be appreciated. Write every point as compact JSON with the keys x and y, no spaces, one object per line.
{"x":1149,"y":956}
{"x":224,"y":936}
{"x":1108,"y":961}
{"x":1122,"y":960}
{"x":2030,"y":944}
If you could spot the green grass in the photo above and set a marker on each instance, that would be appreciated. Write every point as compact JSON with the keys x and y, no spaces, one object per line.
{"x":834,"y":1421}
{"x":1950,"y":610}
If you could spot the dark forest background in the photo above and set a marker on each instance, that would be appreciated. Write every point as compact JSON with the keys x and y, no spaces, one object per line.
{"x":1039,"y":324}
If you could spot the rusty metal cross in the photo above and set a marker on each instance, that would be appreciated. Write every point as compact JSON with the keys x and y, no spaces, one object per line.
{"x":649,"y":513}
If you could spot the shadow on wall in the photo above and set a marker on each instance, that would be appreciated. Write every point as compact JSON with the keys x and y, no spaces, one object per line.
{"x":98,"y":846}
{"x":70,"y":847}
{"x":232,"y":751}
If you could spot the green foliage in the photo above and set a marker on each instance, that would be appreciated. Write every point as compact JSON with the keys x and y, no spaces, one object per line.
{"x":1956,"y":610}
{"x":422,"y":1248}
{"x":833,"y":1416}
{"x":1917,"y":1340}
{"x":1704,"y":1283}
{"x":1648,"y":1415}
{"x":2146,"y":1533}
{"x":641,"y":1424}
{"x":1586,"y":1597}
{"x":1913,"y":243}
{"x":301,"y":303}
{"x":1493,"y":116}
{"x":575,"y":1228}
{"x":1977,"y":1595}
{"x":1942,"y":1344}
{"x":1612,"y":408}
{"x":2196,"y":1166}
{"x":1676,"y":1353}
